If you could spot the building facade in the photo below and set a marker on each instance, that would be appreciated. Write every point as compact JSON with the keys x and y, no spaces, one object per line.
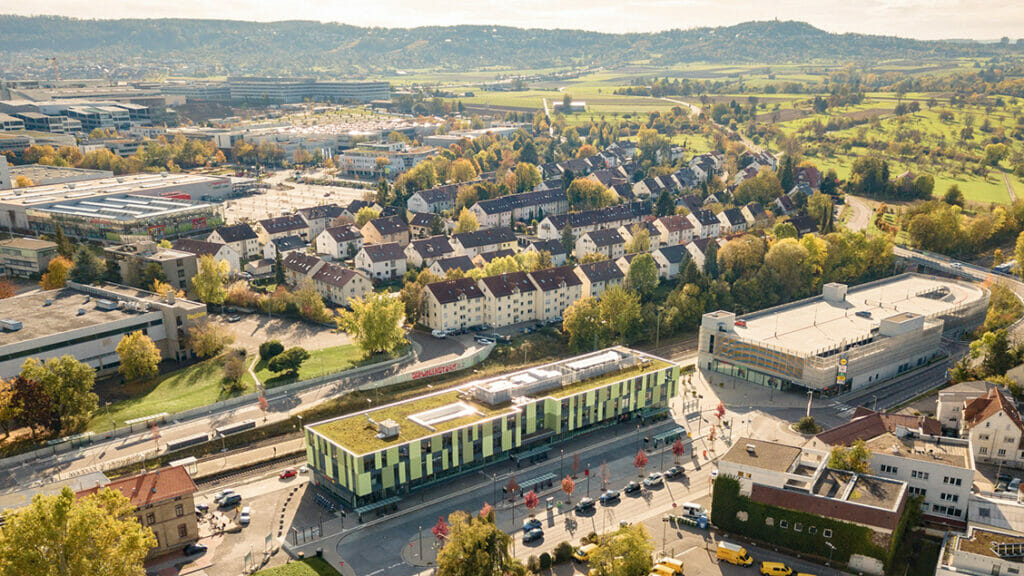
{"x":26,"y":257}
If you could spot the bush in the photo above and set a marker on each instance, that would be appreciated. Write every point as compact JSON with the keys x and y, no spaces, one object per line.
{"x":563,"y":552}
{"x":807,"y":425}
{"x":533,"y":564}
{"x":591,"y":538}
{"x":545,"y":561}
{"x":269,"y":349}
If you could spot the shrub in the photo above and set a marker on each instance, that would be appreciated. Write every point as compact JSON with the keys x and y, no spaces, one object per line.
{"x":545,"y":561}
{"x":591,"y":538}
{"x":807,"y":425}
{"x":269,"y":349}
{"x":533,"y":564}
{"x":563,"y":552}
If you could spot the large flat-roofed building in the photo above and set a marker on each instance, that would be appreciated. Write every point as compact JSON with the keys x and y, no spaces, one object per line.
{"x":25,"y":257}
{"x":288,"y":90}
{"x":88,"y":322}
{"x":43,"y":175}
{"x":107,"y":209}
{"x":844,"y":339}
{"x":981,"y":552}
{"x":389,"y":451}
{"x":130,"y":260}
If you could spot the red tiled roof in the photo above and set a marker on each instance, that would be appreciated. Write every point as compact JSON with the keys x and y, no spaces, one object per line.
{"x":867,"y":424}
{"x":981,"y":408}
{"x":152,"y":487}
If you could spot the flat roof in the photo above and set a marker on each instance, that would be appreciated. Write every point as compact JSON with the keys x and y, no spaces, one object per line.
{"x":859,"y":489}
{"x":982,"y":541}
{"x":28,"y":244}
{"x":129,"y":184}
{"x":358,"y":435}
{"x":42,"y":174}
{"x":122,"y":207}
{"x":944,"y":450}
{"x":765,"y":455}
{"x":813,"y":324}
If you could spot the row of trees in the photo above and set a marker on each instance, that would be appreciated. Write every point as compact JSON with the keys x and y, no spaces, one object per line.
{"x":179,"y":153}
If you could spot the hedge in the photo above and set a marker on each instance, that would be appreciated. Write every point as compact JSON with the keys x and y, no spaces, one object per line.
{"x":848,"y":538}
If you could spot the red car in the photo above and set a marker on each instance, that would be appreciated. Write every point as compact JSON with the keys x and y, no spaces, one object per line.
{"x":289,"y":473}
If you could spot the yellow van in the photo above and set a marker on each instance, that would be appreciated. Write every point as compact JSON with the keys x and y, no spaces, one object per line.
{"x":662,"y":570}
{"x":675,"y":565}
{"x":775,"y":569}
{"x":734,"y":554}
{"x":582,"y":554}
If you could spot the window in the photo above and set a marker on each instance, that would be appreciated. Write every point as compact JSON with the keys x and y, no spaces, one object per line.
{"x":982,"y":450}
{"x":150,"y":519}
{"x":1001,"y":453}
{"x":182,"y":531}
{"x":952,"y":481}
{"x":179,"y":510}
{"x":783,"y":524}
{"x":918,"y":474}
{"x":812,"y":530}
{"x":1009,"y":440}
{"x":949,"y":497}
{"x":984,"y":436}
{"x":827,"y":532}
{"x":916,"y":491}
{"x":887,"y":469}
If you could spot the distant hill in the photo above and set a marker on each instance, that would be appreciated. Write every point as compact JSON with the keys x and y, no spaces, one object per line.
{"x":309,"y":47}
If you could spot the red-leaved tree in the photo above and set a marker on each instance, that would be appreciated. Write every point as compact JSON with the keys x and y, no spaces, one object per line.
{"x":678,"y":448}
{"x":568,"y":486}
{"x":440,"y":530}
{"x":640,"y":461}
{"x":531,"y":500}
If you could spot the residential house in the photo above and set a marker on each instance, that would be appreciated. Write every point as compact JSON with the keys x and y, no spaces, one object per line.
{"x":382,"y":262}
{"x":691,"y":202}
{"x":25,"y":257}
{"x":337,"y":284}
{"x":484,"y":258}
{"x":284,"y":245}
{"x":783,"y":205}
{"x":508,"y":299}
{"x":747,"y":173}
{"x":424,"y":252}
{"x":596,"y":277}
{"x":606,"y":241}
{"x":453,"y":305}
{"x":319,"y":218}
{"x":705,"y":224}
{"x":804,"y":224}
{"x":697,"y":249}
{"x":483,"y":240}
{"x":808,"y":176}
{"x":557,"y":288}
{"x":706,"y":165}
{"x":552,"y":247}
{"x":950,"y":406}
{"x":421,"y":224}
{"x":675,"y":229}
{"x":551,"y":227}
{"x":434,"y":200}
{"x":527,"y":206}
{"x":164,"y":502}
{"x":339,"y":242}
{"x":219,"y":252}
{"x":298,"y":266}
{"x":755,"y":215}
{"x":760,"y":160}
{"x":259,"y":269}
{"x":609,"y":177}
{"x":291,"y":225}
{"x":442,"y":266}
{"x":386,"y":230}
{"x":671,"y":260}
{"x":653,"y":233}
{"x":240,"y":237}
{"x":732,"y":221}
{"x":994,"y":427}
{"x":353,"y":208}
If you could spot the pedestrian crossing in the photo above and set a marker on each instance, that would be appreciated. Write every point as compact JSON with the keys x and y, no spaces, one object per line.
{"x":842,"y":409}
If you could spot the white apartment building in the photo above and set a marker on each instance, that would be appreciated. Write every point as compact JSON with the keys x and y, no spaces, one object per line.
{"x":453,"y":305}
{"x":509,"y":299}
{"x":557,"y":288}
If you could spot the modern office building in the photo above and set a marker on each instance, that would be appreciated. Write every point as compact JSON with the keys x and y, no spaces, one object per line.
{"x":847,"y":338}
{"x":288,"y":90}
{"x":381,"y":454}
{"x":88,"y":322}
{"x":129,"y":261}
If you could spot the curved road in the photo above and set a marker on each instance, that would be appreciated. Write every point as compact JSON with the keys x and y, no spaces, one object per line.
{"x":861,"y":216}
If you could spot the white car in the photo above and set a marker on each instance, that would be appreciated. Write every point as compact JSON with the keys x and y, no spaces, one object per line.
{"x":653,"y":479}
{"x":439,"y":333}
{"x":245,"y":517}
{"x":222,"y":494}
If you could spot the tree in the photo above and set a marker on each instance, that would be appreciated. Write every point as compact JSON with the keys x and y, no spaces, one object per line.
{"x":375,"y":321}
{"x":23,"y":181}
{"x":953,"y":196}
{"x":586,"y":194}
{"x":88,"y":268}
{"x":467,"y":222}
{"x":57,"y":272}
{"x":786,"y":175}
{"x":664,"y":206}
{"x":528,"y":152}
{"x":582,"y":321}
{"x":604,"y":473}
{"x":7,"y":289}
{"x":66,"y":384}
{"x":568,"y":486}
{"x":678,"y":449}
{"x":854,"y":458}
{"x":209,"y":339}
{"x":64,"y":246}
{"x":620,"y":311}
{"x":279,"y":276}
{"x":61,"y":535}
{"x":568,"y":240}
{"x":576,"y":464}
{"x":269,"y":349}
{"x":643,"y":276}
{"x":625,"y":552}
{"x":1018,"y":253}
{"x":763,"y":188}
{"x":711,"y":259}
{"x":365,"y":214}
{"x":150,"y":274}
{"x":233,"y":370}
{"x":785,"y":229}
{"x":819,"y":207}
{"x":289,"y":361}
{"x":527,"y":177}
{"x":210,"y":281}
{"x":139,"y":357}
{"x":474,"y":546}
{"x":640,"y":462}
{"x":640,"y":240}
{"x":440,"y":530}
{"x":9,"y":408}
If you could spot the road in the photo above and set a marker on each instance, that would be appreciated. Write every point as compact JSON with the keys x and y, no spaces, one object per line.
{"x":111,"y":453}
{"x":1009,"y":188}
{"x":861,"y":216}
{"x":696,"y":110}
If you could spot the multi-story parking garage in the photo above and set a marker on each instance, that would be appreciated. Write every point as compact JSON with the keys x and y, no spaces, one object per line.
{"x":843,"y":339}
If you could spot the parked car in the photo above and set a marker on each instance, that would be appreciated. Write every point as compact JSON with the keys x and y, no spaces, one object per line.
{"x":585,"y":504}
{"x":633,"y":486}
{"x":609,"y":496}
{"x":775,"y":569}
{"x":438,"y":333}
{"x":531,"y":524}
{"x":675,"y":471}
{"x":1014,"y":485}
{"x":195,"y":548}
{"x":222,"y":494}
{"x":231,"y":500}
{"x":484,"y":341}
{"x":653,"y":479}
{"x":289,"y":473}
{"x":533,"y":535}
{"x":234,"y":318}
{"x":202,"y":508}
{"x":245,"y":517}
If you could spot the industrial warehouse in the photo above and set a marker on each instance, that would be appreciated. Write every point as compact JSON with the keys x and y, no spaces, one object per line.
{"x":372,"y":457}
{"x":842,"y":340}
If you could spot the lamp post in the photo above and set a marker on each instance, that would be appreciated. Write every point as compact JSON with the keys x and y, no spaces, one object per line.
{"x":106,"y":405}
{"x":874,"y":402}
{"x":588,"y":479}
{"x":561,"y":460}
{"x":831,"y":549}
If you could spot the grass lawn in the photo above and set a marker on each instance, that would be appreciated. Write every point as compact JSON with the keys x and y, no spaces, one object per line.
{"x":307,"y":567}
{"x":191,"y":387}
{"x":323,"y":361}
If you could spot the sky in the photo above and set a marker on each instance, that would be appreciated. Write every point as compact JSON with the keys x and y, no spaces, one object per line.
{"x":925,"y":19}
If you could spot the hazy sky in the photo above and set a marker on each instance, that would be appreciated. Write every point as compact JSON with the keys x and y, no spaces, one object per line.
{"x":988,"y":19}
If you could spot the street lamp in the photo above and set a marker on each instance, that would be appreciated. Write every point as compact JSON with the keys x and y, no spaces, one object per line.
{"x":874,"y":404}
{"x":831,"y":549}
{"x":561,"y":460}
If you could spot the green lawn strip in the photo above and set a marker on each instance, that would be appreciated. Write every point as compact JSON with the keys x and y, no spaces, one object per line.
{"x":184,"y":389}
{"x":320,"y":362}
{"x":307,"y":567}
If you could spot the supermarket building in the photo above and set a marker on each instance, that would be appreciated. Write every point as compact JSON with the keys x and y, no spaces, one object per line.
{"x":379,"y":455}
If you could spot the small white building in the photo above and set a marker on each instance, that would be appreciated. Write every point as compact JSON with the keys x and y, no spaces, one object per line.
{"x":382,"y":262}
{"x":340,"y":242}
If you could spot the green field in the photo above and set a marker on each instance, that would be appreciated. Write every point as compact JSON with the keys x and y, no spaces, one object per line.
{"x":307,"y":567}
{"x":320,"y":362}
{"x":191,"y":387}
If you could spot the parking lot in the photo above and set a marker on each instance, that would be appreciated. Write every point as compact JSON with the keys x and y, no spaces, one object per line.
{"x":251,"y":330}
{"x":286,"y":199}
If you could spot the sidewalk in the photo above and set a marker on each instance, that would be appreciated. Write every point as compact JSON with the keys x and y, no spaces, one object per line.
{"x":241,"y":458}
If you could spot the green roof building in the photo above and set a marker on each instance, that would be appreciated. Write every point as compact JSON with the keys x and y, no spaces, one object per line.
{"x":384,"y":453}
